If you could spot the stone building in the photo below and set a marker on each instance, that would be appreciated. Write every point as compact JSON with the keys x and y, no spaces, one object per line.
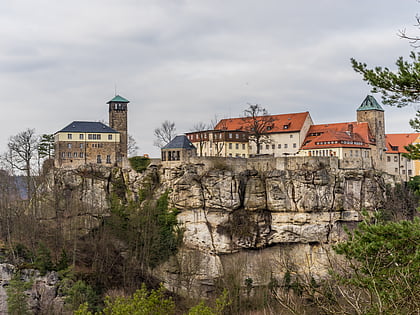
{"x":371,"y":112}
{"x":85,"y":142}
{"x":360,"y":143}
{"x":178,"y":150}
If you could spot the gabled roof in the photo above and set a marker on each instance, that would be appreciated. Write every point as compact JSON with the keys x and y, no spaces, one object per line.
{"x":118,"y":99}
{"x":179,"y":142}
{"x":338,"y":135}
{"x":280,"y":123}
{"x":395,"y":143}
{"x":370,"y":103}
{"x":88,"y":126}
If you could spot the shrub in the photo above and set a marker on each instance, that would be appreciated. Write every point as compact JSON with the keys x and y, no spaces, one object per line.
{"x":139,"y":163}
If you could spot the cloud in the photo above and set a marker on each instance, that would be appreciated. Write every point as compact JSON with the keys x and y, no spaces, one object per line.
{"x":187,"y":60}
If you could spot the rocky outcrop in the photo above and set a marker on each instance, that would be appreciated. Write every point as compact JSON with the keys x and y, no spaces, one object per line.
{"x":42,"y":293}
{"x":262,"y":214}
{"x":257,"y":212}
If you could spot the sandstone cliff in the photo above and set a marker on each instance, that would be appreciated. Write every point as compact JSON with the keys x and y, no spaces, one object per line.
{"x":256,"y":217}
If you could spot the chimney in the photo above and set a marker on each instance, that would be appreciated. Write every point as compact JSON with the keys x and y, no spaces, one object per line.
{"x":350,"y":129}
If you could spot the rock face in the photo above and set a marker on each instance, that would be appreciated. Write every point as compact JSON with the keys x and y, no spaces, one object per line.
{"x":263,"y":215}
{"x":257,"y":216}
{"x":42,"y":294}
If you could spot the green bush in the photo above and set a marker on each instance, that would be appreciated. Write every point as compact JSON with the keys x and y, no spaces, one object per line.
{"x":139,"y":163}
{"x":385,"y":262}
{"x":17,"y":300}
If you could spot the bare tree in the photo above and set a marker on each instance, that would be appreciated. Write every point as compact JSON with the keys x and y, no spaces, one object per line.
{"x":257,"y":122}
{"x":201,"y":129}
{"x":22,"y":152}
{"x":165,"y":133}
{"x":132,"y":146}
{"x":414,"y":40}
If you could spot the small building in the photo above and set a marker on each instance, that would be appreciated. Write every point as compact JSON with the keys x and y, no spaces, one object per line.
{"x":284,"y":133}
{"x":179,"y":149}
{"x":85,"y":142}
{"x":396,"y":163}
{"x":223,"y":143}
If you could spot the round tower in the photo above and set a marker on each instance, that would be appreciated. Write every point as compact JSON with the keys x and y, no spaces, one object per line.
{"x":118,"y":122}
{"x":371,"y":112}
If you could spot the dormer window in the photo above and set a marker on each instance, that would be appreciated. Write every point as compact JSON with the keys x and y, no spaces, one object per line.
{"x":286,"y":126}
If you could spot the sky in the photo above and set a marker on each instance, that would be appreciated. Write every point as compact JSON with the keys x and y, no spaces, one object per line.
{"x":191,"y":61}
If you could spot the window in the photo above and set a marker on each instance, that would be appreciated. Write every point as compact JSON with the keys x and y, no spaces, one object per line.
{"x":81,"y":136}
{"x":68,"y":145}
{"x":279,"y":146}
{"x":267,"y":147}
{"x":285,"y":145}
{"x":294,"y":145}
{"x":69,"y":154}
{"x":69,"y":136}
{"x":357,"y":153}
{"x":81,"y":154}
{"x":396,"y":170}
{"x":237,"y":146}
{"x":109,"y":137}
{"x":81,"y":145}
{"x":291,"y":136}
{"x":63,"y":155}
{"x":237,"y":136}
{"x":230,"y":136}
{"x":108,"y":159}
{"x":273,"y":146}
{"x":98,"y":137}
{"x":351,"y":153}
{"x":243,"y":146}
{"x":388,"y":159}
{"x":230,"y":154}
{"x":410,"y":172}
{"x":230,"y":145}
{"x":90,"y":136}
{"x":75,"y":154}
{"x":98,"y":159}
{"x":285,"y":126}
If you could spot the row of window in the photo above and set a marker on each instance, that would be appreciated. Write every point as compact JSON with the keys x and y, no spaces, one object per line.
{"x":91,"y":136}
{"x":81,"y":145}
{"x":279,"y":146}
{"x":388,"y":158}
{"x":171,"y":155}
{"x":81,"y":155}
{"x":342,"y":142}
{"x":236,"y":146}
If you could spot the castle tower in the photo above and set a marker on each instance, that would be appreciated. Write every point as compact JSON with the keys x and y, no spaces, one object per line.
{"x":371,"y":112}
{"x":118,"y":122}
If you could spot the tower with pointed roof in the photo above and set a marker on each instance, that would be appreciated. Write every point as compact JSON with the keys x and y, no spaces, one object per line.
{"x":118,"y":121}
{"x":371,"y":112}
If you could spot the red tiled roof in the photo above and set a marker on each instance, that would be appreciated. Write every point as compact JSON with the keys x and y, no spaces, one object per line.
{"x":338,"y":135}
{"x":395,"y":142}
{"x":294,"y":123}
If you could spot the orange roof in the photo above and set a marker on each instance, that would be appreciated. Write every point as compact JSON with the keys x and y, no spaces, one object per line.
{"x":395,"y":143}
{"x":281,"y":123}
{"x":338,"y":135}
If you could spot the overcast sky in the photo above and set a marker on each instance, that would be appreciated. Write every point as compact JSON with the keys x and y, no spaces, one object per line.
{"x":187,"y":61}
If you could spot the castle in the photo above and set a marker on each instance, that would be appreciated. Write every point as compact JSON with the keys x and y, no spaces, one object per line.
{"x":360,"y":144}
{"x":84,"y":142}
